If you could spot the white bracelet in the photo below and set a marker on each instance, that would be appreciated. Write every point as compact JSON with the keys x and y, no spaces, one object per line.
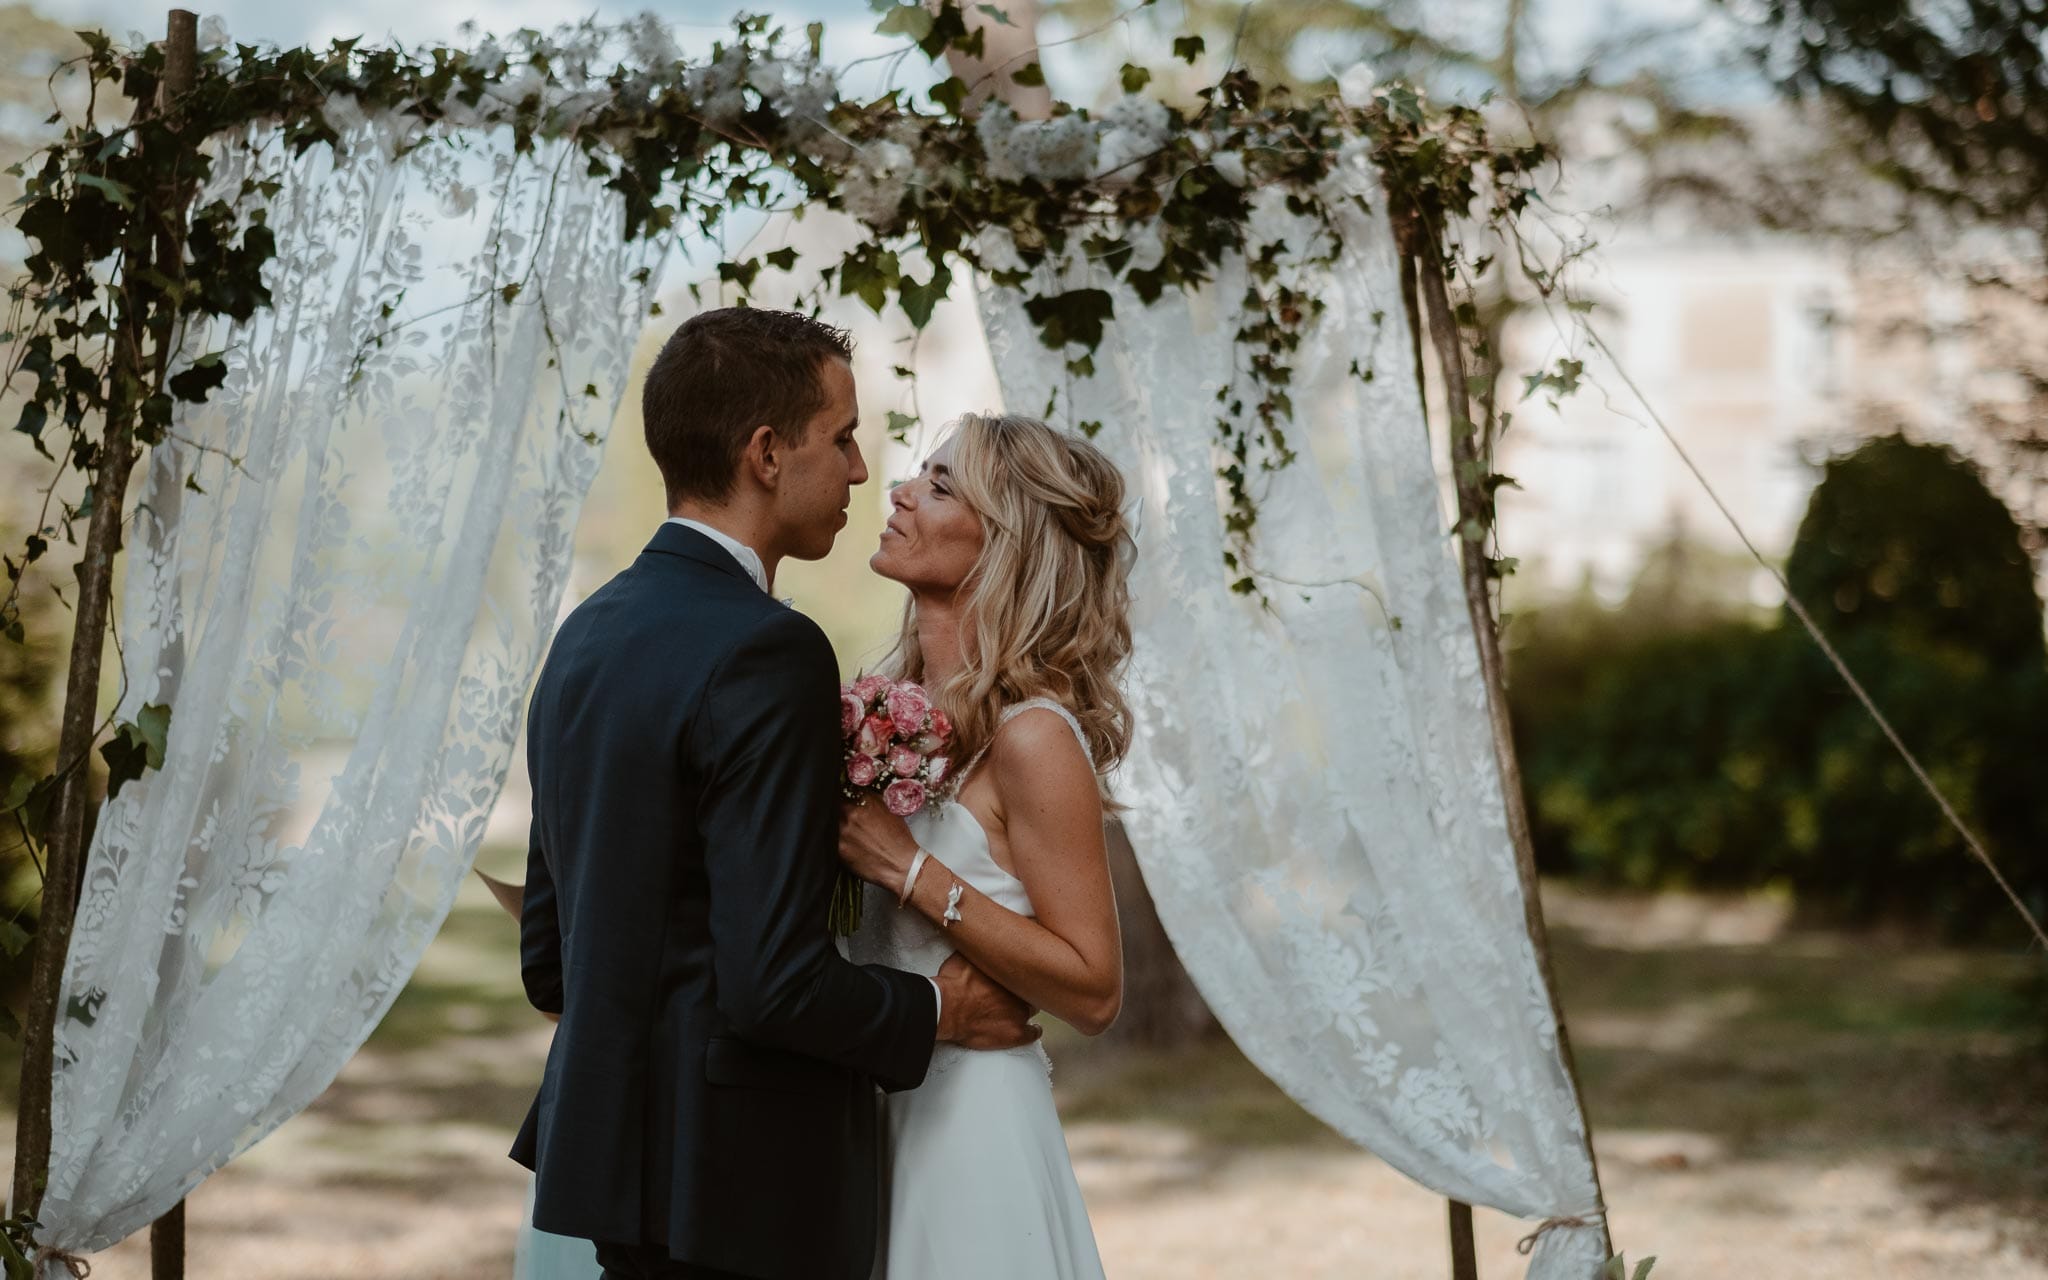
{"x":952,"y":906}
{"x":910,"y":876}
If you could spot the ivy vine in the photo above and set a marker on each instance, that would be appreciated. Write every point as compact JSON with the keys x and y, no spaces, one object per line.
{"x":1155,"y":196}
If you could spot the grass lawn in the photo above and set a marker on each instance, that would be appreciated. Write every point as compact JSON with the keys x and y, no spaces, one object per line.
{"x":1744,"y":1078}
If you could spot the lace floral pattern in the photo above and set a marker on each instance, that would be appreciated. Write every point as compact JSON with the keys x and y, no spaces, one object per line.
{"x":1314,"y":795}
{"x":341,"y":574}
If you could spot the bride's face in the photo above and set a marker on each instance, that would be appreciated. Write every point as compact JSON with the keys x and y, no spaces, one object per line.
{"x":932,"y":540}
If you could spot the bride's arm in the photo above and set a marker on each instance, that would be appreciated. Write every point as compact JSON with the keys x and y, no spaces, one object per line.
{"x":1069,"y":960}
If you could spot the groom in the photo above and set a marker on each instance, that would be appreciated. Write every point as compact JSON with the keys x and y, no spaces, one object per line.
{"x":708,"y":1107}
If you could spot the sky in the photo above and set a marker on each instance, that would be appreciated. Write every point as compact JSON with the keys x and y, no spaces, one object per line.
{"x":849,"y":23}
{"x":1563,"y":30}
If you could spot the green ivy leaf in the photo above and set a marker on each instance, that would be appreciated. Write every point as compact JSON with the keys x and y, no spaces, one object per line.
{"x":740,"y":273}
{"x":136,"y":746}
{"x":870,"y":273}
{"x":918,"y":300}
{"x":13,"y":938}
{"x":994,"y":15}
{"x":912,"y":21}
{"x":195,"y":383}
{"x":1404,"y":105}
{"x":1030,"y":75}
{"x":950,"y":93}
{"x":1076,"y":316}
{"x":112,"y":190}
{"x":1188,"y":48}
{"x":899,"y":426}
{"x":1135,"y":78}
{"x":85,"y":1008}
{"x":783,"y":259}
{"x":33,"y":419}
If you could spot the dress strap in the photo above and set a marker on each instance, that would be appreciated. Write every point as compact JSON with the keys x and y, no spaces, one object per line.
{"x":1012,"y":712}
{"x":1080,"y":735}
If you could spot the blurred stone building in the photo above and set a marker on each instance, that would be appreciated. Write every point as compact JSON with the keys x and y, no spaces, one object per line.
{"x":1766,"y":354}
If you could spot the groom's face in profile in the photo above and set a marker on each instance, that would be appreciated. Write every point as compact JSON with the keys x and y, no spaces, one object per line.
{"x":819,"y":473}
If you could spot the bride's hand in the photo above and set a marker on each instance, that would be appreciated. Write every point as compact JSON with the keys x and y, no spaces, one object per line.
{"x":875,"y":844}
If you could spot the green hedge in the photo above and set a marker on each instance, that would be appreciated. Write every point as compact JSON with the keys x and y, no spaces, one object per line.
{"x":1681,"y":746}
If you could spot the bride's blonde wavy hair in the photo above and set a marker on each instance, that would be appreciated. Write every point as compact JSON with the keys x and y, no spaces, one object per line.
{"x":1047,"y":605}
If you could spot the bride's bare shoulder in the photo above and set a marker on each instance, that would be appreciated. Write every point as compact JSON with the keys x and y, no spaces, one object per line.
{"x":1037,"y":751}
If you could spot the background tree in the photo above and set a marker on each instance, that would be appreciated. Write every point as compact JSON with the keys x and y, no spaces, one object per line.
{"x":1904,"y":539}
{"x":1947,"y":99}
{"x":1942,"y":105}
{"x":32,"y":48}
{"x":1666,"y":751}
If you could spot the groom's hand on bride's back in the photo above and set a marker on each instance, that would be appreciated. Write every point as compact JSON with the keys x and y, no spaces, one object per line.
{"x":975,"y":1013}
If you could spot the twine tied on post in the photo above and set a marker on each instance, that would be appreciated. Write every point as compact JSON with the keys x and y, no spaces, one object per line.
{"x":1527,"y":1244}
{"x":48,"y":1257}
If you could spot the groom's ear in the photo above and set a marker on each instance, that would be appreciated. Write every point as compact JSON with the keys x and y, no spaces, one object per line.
{"x":761,"y":457}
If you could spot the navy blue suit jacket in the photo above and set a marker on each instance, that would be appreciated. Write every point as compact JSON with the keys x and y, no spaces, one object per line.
{"x":711,"y":1083}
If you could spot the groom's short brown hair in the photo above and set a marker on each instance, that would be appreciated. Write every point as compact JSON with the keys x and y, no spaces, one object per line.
{"x":720,"y":376}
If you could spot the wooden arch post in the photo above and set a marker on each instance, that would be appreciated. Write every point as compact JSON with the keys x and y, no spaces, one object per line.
{"x":1429,"y":307}
{"x":159,"y":239}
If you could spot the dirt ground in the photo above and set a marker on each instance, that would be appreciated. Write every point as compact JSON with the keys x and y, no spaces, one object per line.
{"x":1768,"y":1102}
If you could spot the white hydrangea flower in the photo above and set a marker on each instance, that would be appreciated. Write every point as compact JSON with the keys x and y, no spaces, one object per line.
{"x":489,"y":58}
{"x":213,"y":32}
{"x":1140,"y":114}
{"x":1063,"y":147}
{"x":718,"y":86}
{"x":1060,"y":149}
{"x":997,"y":128}
{"x":1230,"y":165}
{"x":1355,"y":86}
{"x":801,"y":91}
{"x":522,"y":82}
{"x":651,"y":45}
{"x":1134,"y":127}
{"x":874,"y":190}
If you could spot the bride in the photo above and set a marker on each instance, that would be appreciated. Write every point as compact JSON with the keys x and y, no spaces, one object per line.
{"x":1013,"y":545}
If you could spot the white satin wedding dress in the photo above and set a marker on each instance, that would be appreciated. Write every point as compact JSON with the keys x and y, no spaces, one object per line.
{"x":977,"y":1181}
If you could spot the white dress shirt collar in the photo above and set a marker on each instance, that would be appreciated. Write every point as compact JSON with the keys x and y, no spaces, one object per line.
{"x":740,"y":551}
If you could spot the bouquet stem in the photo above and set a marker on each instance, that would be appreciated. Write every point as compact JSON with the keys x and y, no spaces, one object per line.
{"x":847,"y":892}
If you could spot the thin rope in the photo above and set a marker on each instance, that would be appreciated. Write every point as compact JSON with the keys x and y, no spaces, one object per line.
{"x":1842,"y":668}
{"x":1527,"y":1244}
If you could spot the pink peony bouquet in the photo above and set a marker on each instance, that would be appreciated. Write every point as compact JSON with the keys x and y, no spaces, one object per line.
{"x":896,"y":744}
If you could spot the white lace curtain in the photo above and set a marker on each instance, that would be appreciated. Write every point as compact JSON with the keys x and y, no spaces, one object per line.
{"x":347,"y":604}
{"x":344,"y":614}
{"x":1313,"y":791}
